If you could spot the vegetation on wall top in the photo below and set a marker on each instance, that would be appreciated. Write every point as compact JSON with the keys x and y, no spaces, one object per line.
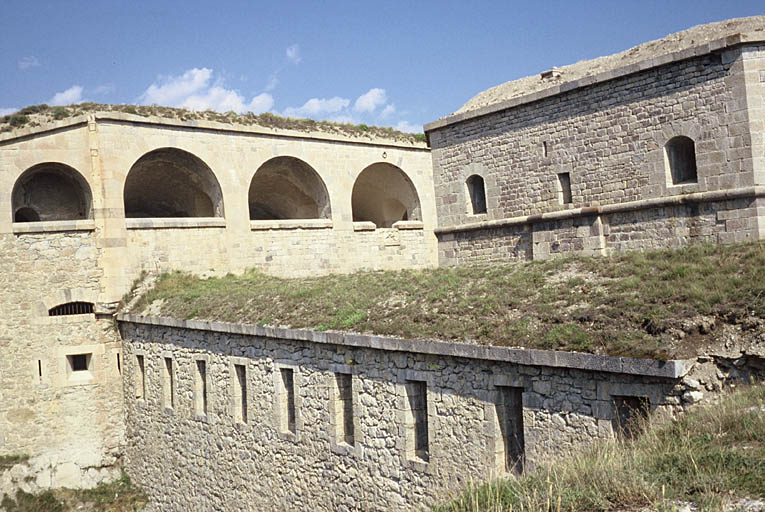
{"x":659,"y":304}
{"x":38,"y":115}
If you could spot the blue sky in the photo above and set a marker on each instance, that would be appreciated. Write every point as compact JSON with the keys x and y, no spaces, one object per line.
{"x":388,"y":63}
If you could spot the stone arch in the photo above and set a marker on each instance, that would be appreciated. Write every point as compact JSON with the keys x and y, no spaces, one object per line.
{"x":384,"y":194}
{"x":476,"y":192}
{"x":51,"y":191}
{"x":64,"y":296}
{"x":171,"y":182}
{"x":680,"y":155}
{"x":285,"y":187}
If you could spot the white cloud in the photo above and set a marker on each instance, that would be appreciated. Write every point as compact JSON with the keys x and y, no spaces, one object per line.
{"x":67,"y":97}
{"x":174,"y":90}
{"x":196,"y":90}
{"x":261,"y":103}
{"x":7,"y":111}
{"x":273,"y":79}
{"x":388,"y":111}
{"x":370,"y":100}
{"x":28,"y":62}
{"x":293,"y":54}
{"x":318,"y":107}
{"x":404,"y":126}
{"x":102,"y":89}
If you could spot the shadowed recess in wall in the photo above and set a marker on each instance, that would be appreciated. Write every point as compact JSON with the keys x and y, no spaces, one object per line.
{"x":384,"y":194}
{"x":170,"y":182}
{"x":288,"y":188}
{"x":51,"y":192}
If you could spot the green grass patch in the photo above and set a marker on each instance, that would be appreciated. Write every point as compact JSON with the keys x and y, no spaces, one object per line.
{"x":118,"y":496}
{"x":8,"y":461}
{"x":619,"y":305}
{"x":26,"y":502}
{"x":710,"y":456}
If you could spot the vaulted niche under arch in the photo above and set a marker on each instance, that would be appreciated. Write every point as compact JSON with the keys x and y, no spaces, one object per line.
{"x":288,"y":188}
{"x":170,"y":182}
{"x":49,"y":192}
{"x":384,"y":194}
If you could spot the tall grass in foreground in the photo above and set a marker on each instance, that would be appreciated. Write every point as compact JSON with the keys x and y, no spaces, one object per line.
{"x":713,"y":454}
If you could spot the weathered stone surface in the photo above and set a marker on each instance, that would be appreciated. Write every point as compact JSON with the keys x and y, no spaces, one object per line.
{"x":220,"y":463}
{"x":608,"y":137}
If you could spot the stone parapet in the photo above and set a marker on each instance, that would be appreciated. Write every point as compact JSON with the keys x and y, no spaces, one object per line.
{"x":168,"y":223}
{"x":530,"y":357}
{"x":54,"y":226}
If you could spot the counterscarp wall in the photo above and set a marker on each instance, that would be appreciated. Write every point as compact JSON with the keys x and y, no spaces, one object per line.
{"x":232,"y":417}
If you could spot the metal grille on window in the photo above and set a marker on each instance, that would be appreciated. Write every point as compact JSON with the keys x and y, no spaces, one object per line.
{"x":71,"y":308}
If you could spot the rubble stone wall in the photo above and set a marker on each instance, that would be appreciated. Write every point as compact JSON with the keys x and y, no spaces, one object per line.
{"x":217,"y":461}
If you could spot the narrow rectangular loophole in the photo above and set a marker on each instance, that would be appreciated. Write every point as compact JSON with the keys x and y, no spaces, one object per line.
{"x":509,"y":408}
{"x":629,"y":416}
{"x":564,"y":190}
{"x":544,"y":149}
{"x":240,"y":398}
{"x":39,"y":369}
{"x":140,"y":384}
{"x":417,"y":396}
{"x":119,"y":364}
{"x":200,"y":391}
{"x":169,"y":384}
{"x":288,"y":399}
{"x":344,"y":408}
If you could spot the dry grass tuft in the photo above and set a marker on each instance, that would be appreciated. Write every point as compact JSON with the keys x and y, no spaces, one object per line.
{"x":711,"y":456}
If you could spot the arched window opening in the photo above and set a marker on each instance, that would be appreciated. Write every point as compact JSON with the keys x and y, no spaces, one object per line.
{"x":51,"y":192}
{"x":384,"y":194}
{"x":170,"y":182}
{"x":681,"y":157}
{"x":477,"y":193}
{"x":71,"y":308}
{"x":288,"y":188}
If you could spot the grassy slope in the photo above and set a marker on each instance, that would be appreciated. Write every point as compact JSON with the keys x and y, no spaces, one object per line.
{"x":711,"y":455}
{"x":117,"y":496}
{"x":639,"y":304}
{"x":36,"y":115}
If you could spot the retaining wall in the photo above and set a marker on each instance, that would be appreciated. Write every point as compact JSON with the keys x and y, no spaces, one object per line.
{"x":216,"y":460}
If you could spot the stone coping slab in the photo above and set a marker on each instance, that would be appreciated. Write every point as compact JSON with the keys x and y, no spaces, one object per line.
{"x":673,"y":369}
{"x":364,"y":226}
{"x":53,"y":226}
{"x":658,"y":202}
{"x":688,"y":53}
{"x":175,"y":223}
{"x":124,"y":117}
{"x":265,"y":225}
{"x":408,"y":224}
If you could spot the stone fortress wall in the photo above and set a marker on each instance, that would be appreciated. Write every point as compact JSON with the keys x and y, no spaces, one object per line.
{"x":98,"y":200}
{"x":360,"y":422}
{"x":661,"y":153}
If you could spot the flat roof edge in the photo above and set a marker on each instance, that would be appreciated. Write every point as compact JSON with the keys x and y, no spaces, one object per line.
{"x":673,"y":369}
{"x":646,"y":64}
{"x":124,"y":117}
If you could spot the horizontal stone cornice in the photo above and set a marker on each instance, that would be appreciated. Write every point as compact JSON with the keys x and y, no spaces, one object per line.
{"x":673,"y":369}
{"x":643,"y":204}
